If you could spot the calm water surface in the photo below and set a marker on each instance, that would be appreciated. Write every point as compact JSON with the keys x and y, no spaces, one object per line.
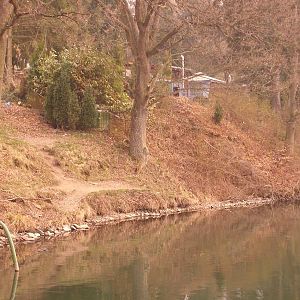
{"x":251,"y":254}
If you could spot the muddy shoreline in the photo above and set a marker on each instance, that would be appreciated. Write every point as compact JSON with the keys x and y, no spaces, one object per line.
{"x":50,"y":233}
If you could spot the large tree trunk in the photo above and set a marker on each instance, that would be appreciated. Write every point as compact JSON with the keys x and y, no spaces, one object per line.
{"x":3,"y":44}
{"x":294,"y":82}
{"x":9,"y":65}
{"x":276,"y":99}
{"x":290,"y":136}
{"x":141,"y":19}
{"x":293,"y":106}
{"x":138,"y":136}
{"x":4,"y":15}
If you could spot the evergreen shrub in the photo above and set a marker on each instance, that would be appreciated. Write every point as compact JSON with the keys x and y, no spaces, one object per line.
{"x":89,"y":117}
{"x":89,"y":69}
{"x":62,"y":109}
{"x":218,"y":114}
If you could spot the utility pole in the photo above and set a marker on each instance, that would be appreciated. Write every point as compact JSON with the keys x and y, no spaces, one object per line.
{"x":183,"y":69}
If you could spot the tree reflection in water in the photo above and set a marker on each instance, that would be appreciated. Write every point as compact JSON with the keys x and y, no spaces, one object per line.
{"x":247,"y":254}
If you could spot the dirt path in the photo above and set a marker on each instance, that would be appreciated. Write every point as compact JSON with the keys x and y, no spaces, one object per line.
{"x":31,"y":128}
{"x":74,"y":189}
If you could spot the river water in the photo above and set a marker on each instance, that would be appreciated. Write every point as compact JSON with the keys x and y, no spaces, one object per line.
{"x":244,"y":254}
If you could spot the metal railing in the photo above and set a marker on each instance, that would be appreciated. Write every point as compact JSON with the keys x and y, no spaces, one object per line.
{"x":104,"y":119}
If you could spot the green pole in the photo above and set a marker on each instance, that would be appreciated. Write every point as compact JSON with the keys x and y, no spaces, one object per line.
{"x":12,"y":246}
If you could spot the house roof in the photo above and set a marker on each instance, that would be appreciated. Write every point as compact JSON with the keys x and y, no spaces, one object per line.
{"x":200,"y":77}
{"x":180,"y":68}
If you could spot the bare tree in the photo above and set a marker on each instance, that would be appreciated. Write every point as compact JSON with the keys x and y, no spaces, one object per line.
{"x":141,"y":20}
{"x":10,"y":13}
{"x":4,"y":18}
{"x":262,"y":50}
{"x":9,"y":58}
{"x":293,"y":82}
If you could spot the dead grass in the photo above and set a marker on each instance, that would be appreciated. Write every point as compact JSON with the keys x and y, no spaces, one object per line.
{"x":252,"y":115}
{"x":192,"y":160}
{"x":93,"y":156}
{"x":22,"y":171}
{"x":31,"y":214}
{"x":227,"y":161}
{"x":131,"y":201}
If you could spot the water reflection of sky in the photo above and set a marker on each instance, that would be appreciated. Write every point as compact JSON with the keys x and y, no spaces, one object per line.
{"x":247,"y":254}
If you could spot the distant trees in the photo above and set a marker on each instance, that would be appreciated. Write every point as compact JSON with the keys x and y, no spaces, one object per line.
{"x":258,"y":42}
{"x":10,"y":12}
{"x":264,"y":36}
{"x":14,"y":11}
{"x":250,"y":39}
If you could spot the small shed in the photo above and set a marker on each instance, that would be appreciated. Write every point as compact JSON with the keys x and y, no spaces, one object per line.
{"x":196,"y":85}
{"x":199,"y":85}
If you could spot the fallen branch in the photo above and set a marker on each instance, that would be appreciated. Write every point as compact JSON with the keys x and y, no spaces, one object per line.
{"x":17,"y":198}
{"x":209,"y":144}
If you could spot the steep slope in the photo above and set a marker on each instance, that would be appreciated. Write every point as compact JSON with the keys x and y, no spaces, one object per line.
{"x":224,"y":161}
{"x":49,"y":177}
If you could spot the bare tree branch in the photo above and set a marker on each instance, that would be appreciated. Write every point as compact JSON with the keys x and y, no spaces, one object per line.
{"x":158,"y":47}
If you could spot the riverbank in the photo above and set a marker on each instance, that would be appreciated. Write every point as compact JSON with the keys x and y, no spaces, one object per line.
{"x":40,"y":235}
{"x":67,"y":229}
{"x":50,"y":178}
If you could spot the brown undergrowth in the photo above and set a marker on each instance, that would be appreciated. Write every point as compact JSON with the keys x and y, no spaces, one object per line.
{"x":192,"y":161}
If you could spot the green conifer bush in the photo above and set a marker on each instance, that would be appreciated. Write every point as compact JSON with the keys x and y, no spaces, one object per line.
{"x":89,"y":115}
{"x":62,"y":108}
